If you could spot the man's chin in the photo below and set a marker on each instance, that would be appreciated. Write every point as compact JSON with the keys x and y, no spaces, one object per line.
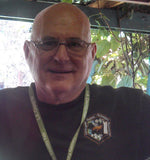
{"x":61,"y":77}
{"x":59,"y":87}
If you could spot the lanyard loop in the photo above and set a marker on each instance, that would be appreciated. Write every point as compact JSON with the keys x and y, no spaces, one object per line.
{"x":42,"y":127}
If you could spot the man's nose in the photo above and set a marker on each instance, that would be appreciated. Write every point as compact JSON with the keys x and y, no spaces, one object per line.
{"x":61,"y":54}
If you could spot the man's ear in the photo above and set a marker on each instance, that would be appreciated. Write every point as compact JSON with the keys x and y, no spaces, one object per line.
{"x":26,"y":50}
{"x":94,"y":49}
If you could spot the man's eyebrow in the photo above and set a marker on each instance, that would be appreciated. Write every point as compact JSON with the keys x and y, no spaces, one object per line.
{"x":47,"y":38}
{"x":74,"y":38}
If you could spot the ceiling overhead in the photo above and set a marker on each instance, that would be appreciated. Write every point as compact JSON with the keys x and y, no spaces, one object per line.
{"x":125,"y":15}
{"x":114,"y":3}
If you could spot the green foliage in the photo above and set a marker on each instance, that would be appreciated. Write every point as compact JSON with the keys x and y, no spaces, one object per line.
{"x":114,"y":44}
{"x":67,"y":1}
{"x":126,"y":81}
{"x":103,"y":47}
{"x":141,"y":82}
{"x":108,"y":79}
{"x":122,"y":58}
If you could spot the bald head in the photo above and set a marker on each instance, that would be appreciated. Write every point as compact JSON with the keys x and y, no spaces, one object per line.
{"x":60,"y":73}
{"x":61,"y":15}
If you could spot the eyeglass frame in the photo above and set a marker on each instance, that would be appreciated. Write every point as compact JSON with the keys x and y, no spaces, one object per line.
{"x":38,"y":43}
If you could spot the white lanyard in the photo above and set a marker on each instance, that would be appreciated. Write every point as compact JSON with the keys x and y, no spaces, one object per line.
{"x":43,"y":130}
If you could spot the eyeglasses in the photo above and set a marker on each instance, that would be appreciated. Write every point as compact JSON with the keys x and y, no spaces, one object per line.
{"x":73,"y":45}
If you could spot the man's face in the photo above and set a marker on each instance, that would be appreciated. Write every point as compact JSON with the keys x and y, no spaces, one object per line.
{"x":62,"y":72}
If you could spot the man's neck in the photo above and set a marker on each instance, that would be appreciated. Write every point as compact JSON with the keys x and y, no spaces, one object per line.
{"x":54,"y":97}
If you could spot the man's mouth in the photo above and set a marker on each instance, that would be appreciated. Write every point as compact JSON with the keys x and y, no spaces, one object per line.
{"x":60,"y":71}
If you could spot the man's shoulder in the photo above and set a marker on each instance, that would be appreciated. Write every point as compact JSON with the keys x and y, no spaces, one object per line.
{"x":129,"y":101}
{"x":13,"y":93}
{"x":108,"y":90}
{"x":121,"y":95}
{"x":17,"y":90}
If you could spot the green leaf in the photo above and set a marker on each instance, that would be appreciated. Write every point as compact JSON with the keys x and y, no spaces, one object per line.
{"x":116,"y":33}
{"x":110,"y":65}
{"x":108,"y":79}
{"x":67,"y":1}
{"x":143,"y":80}
{"x":114,"y":44}
{"x":103,"y":47}
{"x":98,"y":22}
{"x":126,"y":81}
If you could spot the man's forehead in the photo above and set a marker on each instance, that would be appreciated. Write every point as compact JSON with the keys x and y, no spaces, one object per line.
{"x":61,"y":15}
{"x":61,"y":9}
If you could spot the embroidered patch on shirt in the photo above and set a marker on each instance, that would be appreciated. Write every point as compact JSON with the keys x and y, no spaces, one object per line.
{"x":97,"y":128}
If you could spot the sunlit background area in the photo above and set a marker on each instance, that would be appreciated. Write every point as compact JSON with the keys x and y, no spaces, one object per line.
{"x":13,"y":68}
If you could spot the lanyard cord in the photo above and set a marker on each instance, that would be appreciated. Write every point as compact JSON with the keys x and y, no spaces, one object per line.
{"x":42,"y":127}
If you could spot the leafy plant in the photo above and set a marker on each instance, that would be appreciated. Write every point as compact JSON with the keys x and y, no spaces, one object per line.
{"x":122,"y":59}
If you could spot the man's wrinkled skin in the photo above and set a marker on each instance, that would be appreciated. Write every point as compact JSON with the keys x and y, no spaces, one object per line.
{"x":59,"y":78}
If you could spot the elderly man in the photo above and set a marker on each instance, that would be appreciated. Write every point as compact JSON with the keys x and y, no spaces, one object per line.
{"x":59,"y":116}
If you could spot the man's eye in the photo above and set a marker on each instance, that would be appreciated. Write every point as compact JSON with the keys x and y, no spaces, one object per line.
{"x":74,"y":44}
{"x":48,"y":45}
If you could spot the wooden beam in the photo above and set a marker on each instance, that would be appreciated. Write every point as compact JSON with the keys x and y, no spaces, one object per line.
{"x":140,"y":2}
{"x":114,"y":3}
{"x":104,"y":4}
{"x":26,"y":11}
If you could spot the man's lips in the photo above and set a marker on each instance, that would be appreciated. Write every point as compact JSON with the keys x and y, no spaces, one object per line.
{"x":60,"y":71}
